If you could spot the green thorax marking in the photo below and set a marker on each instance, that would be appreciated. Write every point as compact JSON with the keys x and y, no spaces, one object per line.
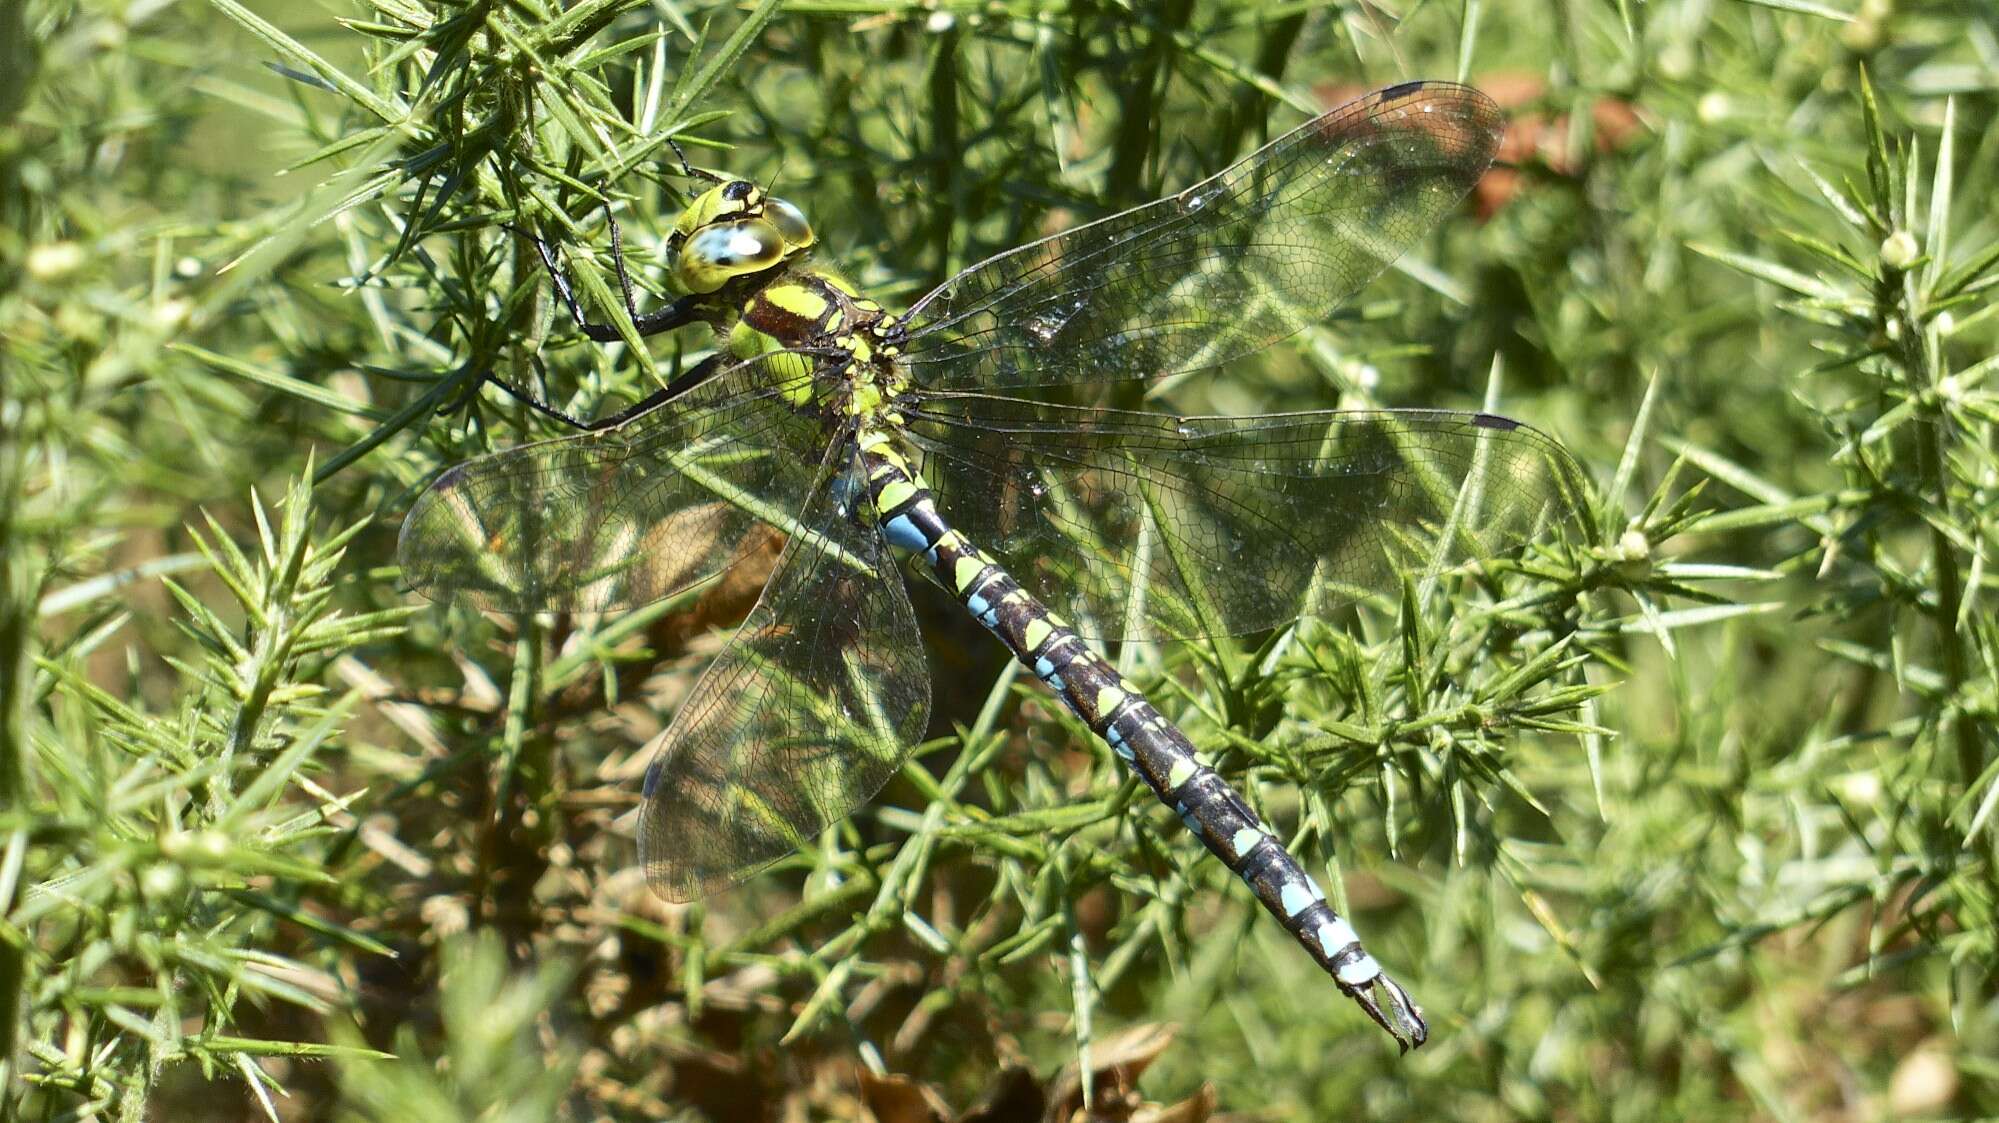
{"x":814,"y":306}
{"x":806,"y":305}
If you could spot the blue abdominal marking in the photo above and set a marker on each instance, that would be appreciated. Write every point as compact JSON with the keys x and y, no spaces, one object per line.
{"x":903,"y":534}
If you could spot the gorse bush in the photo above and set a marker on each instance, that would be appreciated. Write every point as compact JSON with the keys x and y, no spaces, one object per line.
{"x":1684,"y":813}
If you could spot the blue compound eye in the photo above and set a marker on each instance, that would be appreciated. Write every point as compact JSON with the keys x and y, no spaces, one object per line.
{"x":716,"y":255}
{"x":789,"y":222}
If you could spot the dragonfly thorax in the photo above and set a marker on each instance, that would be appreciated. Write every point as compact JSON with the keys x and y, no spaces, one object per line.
{"x":734,"y":230}
{"x":844,"y":360}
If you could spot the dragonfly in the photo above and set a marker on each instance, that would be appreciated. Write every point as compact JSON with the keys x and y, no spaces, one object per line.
{"x":854,"y":431}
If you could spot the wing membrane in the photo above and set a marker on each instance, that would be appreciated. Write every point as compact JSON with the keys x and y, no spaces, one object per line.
{"x":815,"y":703}
{"x":1153,"y":526}
{"x":1222,"y":269}
{"x":619,"y":518}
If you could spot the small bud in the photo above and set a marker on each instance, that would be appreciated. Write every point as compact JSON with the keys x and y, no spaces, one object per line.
{"x":1633,"y":553}
{"x":1713,"y":107}
{"x":196,"y":848}
{"x":54,"y":260}
{"x":1899,"y":250}
{"x":940,"y":22}
{"x":1863,"y":788}
{"x":1676,"y":61}
{"x":160,"y":880}
{"x":1862,"y":35}
{"x":172,"y":314}
{"x":210,"y":846}
{"x":1945,"y":323}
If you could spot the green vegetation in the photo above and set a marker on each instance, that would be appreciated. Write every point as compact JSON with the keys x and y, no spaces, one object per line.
{"x":1687,"y":816}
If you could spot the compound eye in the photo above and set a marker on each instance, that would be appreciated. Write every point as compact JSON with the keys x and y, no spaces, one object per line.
{"x":715,"y":255}
{"x":788,"y":221}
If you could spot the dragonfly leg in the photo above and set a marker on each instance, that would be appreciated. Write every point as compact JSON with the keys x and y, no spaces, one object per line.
{"x":465,"y":395}
{"x":688,"y":379}
{"x":677,"y":314}
{"x":618,"y":260}
{"x":689,"y":170}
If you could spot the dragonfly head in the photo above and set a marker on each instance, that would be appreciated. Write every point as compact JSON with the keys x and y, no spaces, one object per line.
{"x":732,"y":230}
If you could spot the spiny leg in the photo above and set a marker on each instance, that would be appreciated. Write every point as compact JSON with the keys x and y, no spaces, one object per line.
{"x":689,"y":170}
{"x":676,"y":314}
{"x":687,"y":380}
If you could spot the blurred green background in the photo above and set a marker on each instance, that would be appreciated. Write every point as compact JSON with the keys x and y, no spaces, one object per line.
{"x":1688,"y":818}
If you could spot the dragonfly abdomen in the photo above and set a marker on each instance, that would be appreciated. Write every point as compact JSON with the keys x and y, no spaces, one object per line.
{"x":1150,"y":745}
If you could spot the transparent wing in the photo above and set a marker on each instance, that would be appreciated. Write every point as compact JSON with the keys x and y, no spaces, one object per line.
{"x":815,"y":703}
{"x":1224,"y":268}
{"x":619,"y":518}
{"x":1151,"y":526}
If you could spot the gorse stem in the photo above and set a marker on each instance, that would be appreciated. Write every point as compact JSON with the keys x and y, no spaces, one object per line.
{"x":17,"y":640}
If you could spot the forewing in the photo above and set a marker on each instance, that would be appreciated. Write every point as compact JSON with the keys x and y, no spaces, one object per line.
{"x":619,"y":518}
{"x":1222,"y":269}
{"x":815,"y":703}
{"x":1153,"y":527}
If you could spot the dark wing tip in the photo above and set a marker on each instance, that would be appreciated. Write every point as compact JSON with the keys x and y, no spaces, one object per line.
{"x":1462,"y":123}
